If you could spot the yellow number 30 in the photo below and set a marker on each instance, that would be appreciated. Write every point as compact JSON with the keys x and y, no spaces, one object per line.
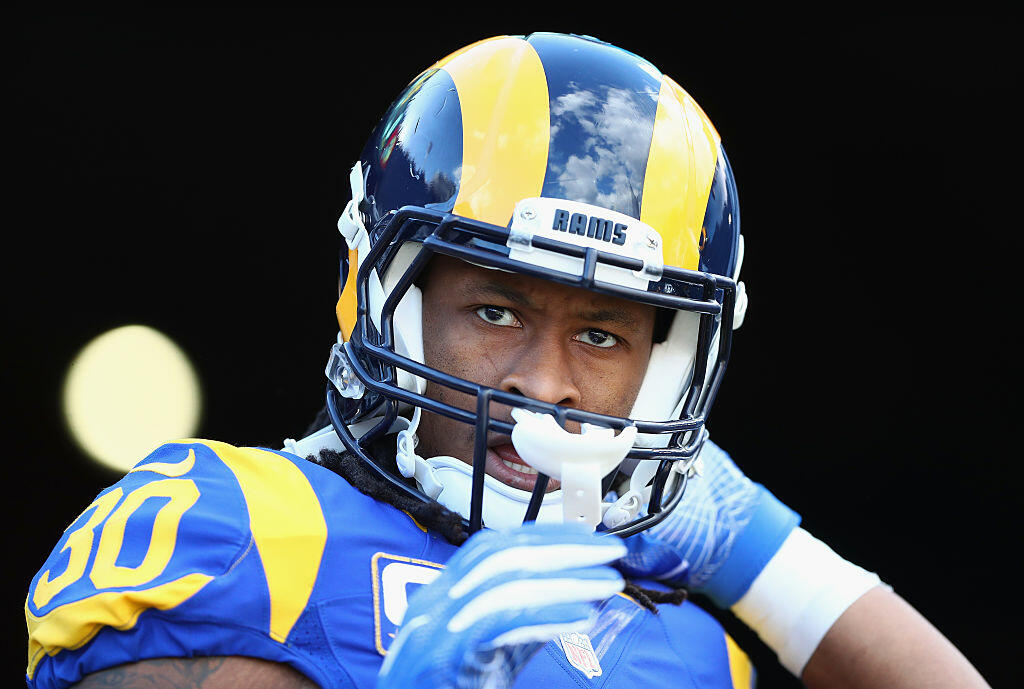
{"x":105,"y":572}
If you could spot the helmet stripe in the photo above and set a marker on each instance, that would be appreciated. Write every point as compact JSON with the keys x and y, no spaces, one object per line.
{"x":505,"y":126}
{"x":680,"y":168}
{"x":346,"y":306}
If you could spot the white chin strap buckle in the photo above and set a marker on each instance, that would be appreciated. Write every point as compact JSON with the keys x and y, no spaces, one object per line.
{"x":578,"y":460}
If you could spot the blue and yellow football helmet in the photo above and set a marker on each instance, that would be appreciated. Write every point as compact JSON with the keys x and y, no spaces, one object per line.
{"x":556,"y":156}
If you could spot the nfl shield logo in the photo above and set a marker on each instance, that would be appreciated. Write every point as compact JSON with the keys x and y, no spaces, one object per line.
{"x":580,"y":653}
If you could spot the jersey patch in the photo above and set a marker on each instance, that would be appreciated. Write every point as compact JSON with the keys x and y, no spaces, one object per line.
{"x":395,"y":578}
{"x":580,"y":653}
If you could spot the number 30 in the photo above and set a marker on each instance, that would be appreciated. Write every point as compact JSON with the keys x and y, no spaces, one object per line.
{"x":105,"y":572}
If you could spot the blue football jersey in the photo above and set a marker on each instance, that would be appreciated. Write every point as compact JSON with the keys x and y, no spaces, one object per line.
{"x":205,"y":549}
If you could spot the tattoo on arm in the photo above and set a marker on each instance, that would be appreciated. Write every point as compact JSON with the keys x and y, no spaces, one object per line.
{"x":198,"y":673}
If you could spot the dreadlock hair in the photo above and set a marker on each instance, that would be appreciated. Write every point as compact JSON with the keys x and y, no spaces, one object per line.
{"x":432,"y":515}
{"x":649,"y":597}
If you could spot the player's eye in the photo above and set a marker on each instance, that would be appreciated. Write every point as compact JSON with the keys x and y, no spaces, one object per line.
{"x":497,"y":315}
{"x":597,"y":338}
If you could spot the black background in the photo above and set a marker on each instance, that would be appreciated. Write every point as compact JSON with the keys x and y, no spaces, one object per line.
{"x":185,"y":171}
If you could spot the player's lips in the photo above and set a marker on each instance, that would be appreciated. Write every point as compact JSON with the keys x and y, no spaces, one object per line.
{"x":505,"y":464}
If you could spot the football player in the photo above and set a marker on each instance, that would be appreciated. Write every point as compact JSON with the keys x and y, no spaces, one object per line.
{"x":512,"y":482}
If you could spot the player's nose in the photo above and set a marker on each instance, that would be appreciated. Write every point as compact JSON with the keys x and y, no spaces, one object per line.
{"x":542,"y":371}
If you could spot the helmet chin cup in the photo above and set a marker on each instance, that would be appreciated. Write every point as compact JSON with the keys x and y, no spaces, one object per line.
{"x":579,"y":460}
{"x":505,"y":506}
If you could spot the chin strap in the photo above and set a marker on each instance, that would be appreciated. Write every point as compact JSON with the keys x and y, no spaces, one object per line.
{"x":628,"y":505}
{"x":636,"y":498}
{"x":410,"y":464}
{"x":449,"y":481}
{"x":350,"y":224}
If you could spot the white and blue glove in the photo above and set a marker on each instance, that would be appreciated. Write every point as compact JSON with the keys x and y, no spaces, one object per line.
{"x":501,"y":597}
{"x":719,"y":537}
{"x":732,"y":540}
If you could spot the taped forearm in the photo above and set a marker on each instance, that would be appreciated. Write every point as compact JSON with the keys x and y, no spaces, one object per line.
{"x":799,"y":595}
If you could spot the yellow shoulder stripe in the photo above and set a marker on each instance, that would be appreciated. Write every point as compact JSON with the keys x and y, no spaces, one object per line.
{"x":287,"y":525}
{"x":73,"y":625}
{"x":740,"y":669}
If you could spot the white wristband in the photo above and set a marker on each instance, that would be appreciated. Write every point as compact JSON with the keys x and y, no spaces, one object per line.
{"x":799,"y":595}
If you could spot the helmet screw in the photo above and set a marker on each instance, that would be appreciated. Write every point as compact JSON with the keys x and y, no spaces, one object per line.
{"x":528,"y":214}
{"x":652,"y":242}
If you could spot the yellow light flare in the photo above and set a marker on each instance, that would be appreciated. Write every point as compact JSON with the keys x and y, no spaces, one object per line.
{"x":128,"y":391}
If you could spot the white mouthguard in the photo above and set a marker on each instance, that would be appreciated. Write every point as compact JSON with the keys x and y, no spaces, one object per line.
{"x":578,"y":460}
